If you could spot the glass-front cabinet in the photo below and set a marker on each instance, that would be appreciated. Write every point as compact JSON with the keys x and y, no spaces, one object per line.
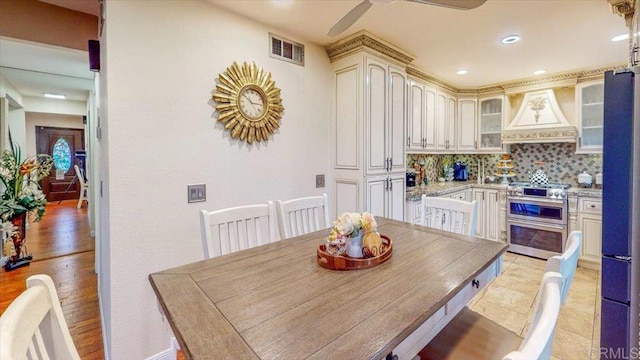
{"x":590,"y":116}
{"x":490,"y":123}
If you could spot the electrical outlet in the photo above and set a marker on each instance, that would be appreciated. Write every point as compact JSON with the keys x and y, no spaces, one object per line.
{"x":320,"y":181}
{"x":196,"y":193}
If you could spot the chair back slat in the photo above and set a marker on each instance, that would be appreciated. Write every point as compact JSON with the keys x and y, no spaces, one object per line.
{"x":33,"y":326}
{"x":567,"y":262}
{"x":538,"y":342}
{"x":303,"y":215}
{"x":456,"y":216}
{"x":233,"y":229}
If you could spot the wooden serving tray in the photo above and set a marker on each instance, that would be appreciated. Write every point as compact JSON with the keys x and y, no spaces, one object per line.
{"x":343,"y":262}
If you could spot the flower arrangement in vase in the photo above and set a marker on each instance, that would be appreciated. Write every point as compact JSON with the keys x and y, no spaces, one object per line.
{"x":355,"y":235}
{"x":21,"y":195}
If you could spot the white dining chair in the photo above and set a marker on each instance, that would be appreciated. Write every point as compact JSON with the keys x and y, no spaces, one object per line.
{"x":453,"y":215}
{"x":470,"y":335}
{"x":303,"y":215}
{"x":567,"y":262}
{"x":33,"y":326}
{"x":229,"y":230}
{"x":84,"y":186}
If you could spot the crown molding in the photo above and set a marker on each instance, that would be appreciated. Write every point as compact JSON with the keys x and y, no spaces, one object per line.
{"x":565,"y":79}
{"x":364,"y":39}
{"x":624,"y":8}
{"x":412,"y":71}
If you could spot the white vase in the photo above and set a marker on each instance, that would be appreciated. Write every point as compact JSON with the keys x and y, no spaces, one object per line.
{"x":354,"y":246}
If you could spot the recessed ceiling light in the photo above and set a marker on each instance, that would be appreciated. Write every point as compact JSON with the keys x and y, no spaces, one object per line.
{"x":55,"y":96}
{"x":510,"y":39}
{"x":539,"y":72}
{"x":461,"y":72}
{"x":620,"y":37}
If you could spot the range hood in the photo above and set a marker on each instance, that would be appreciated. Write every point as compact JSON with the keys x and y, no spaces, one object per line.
{"x":539,"y":120}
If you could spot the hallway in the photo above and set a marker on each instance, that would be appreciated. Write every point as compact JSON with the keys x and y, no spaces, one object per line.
{"x":63,"y":249}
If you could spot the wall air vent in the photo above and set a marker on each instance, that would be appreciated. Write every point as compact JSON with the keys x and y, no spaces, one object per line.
{"x":286,"y":50}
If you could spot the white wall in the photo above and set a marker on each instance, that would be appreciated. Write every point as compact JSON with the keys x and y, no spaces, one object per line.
{"x":14,"y":118}
{"x":49,"y":120}
{"x":160,"y":133}
{"x":54,"y":106}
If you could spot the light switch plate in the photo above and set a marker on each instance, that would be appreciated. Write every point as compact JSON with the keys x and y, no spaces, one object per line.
{"x":196,"y":193}
{"x":320,"y":181}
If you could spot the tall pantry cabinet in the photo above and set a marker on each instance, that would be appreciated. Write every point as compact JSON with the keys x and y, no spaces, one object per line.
{"x":369,"y":135}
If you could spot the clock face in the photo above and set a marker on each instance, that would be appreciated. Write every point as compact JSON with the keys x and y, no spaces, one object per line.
{"x":252,"y":104}
{"x":249,"y":103}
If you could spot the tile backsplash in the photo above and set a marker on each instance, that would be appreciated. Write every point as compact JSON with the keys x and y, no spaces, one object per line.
{"x":561,"y":163}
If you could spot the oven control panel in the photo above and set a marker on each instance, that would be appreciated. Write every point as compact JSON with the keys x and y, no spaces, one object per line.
{"x":552,"y":193}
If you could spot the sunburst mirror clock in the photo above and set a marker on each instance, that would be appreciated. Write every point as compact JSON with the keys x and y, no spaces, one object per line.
{"x":249,"y":103}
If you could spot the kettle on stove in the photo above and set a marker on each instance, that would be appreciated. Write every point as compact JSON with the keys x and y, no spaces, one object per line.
{"x":538,"y":177}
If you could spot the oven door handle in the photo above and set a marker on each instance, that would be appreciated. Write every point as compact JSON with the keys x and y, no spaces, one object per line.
{"x":536,"y":224}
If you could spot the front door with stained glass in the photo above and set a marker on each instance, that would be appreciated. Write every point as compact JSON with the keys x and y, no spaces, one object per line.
{"x":61,"y":144}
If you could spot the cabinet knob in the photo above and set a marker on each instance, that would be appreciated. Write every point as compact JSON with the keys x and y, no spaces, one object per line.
{"x":475,"y":283}
{"x":592,"y":206}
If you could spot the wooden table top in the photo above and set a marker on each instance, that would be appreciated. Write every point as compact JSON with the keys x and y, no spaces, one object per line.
{"x":275,"y":301}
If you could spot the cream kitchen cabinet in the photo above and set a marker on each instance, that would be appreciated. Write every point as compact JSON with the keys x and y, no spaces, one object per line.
{"x":413,"y":212}
{"x":590,"y":223}
{"x":421,"y":124}
{"x":413,"y":208}
{"x":386,"y":196}
{"x":590,"y":116}
{"x":445,"y":122}
{"x":488,"y":223}
{"x":431,"y":124}
{"x":464,"y":195}
{"x":466,"y":125}
{"x":384,"y":118}
{"x":368,"y":141}
{"x":490,"y":123}
{"x":416,"y":123}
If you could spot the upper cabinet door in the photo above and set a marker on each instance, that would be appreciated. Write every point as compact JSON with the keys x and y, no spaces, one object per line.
{"x":375,"y":117}
{"x":441,"y":121}
{"x":397,"y":120}
{"x":430,"y":125}
{"x":416,"y":123}
{"x":452,"y":112}
{"x":490,"y":124}
{"x":590,"y":116}
{"x":467,"y":124}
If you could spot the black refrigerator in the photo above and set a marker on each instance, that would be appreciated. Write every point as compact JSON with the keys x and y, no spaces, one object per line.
{"x":621,"y":216}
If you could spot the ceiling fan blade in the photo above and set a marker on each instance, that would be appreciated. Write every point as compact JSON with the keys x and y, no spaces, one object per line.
{"x":453,"y":4}
{"x":350,"y":18}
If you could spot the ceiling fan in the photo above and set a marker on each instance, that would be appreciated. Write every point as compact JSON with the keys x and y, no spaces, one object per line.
{"x":352,"y":16}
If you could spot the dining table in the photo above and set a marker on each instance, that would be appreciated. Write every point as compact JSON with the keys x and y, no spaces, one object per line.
{"x":275,"y":301}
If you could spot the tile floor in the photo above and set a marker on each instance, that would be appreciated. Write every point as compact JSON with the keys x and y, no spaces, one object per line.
{"x":508,"y":300}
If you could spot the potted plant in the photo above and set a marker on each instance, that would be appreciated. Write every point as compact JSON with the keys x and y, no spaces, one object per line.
{"x":21,"y":195}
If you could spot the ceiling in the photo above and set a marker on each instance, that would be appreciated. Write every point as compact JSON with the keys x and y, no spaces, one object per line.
{"x":557,"y":35}
{"x":34,"y":69}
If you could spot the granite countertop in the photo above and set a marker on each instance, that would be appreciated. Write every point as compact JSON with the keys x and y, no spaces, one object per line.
{"x":592,"y":192}
{"x":447,"y":187}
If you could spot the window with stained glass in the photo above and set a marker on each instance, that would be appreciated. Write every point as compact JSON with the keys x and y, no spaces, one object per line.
{"x":62,"y":155}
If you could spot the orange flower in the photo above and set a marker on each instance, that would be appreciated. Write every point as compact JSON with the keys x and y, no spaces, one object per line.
{"x":28,"y":166}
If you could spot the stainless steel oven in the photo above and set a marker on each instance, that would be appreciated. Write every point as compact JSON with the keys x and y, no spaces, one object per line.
{"x":536,"y":221}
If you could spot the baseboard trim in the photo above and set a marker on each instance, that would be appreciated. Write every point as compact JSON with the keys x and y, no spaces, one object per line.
{"x":591,"y":265}
{"x":169,"y":354}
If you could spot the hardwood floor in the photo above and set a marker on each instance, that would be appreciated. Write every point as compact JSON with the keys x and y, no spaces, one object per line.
{"x":63,"y":249}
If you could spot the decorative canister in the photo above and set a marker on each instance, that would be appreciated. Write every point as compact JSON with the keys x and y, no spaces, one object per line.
{"x":585,"y":180}
{"x":599,"y":181}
